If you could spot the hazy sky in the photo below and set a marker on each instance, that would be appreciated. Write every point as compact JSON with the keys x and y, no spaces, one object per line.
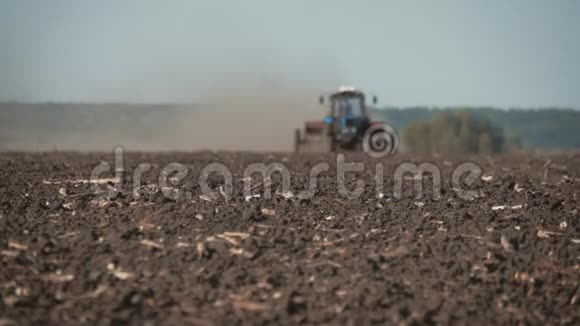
{"x":476,"y":52}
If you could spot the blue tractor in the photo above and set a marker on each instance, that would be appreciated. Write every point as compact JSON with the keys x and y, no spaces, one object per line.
{"x":343,"y":128}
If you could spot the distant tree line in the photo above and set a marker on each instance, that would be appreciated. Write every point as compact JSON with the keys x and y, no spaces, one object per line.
{"x":526,"y":128}
{"x":449,"y":132}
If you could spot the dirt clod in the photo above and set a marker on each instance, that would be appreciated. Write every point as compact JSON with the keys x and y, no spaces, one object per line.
{"x":506,"y":256}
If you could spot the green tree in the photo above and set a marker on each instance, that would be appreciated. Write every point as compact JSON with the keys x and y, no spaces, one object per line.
{"x":454,"y":131}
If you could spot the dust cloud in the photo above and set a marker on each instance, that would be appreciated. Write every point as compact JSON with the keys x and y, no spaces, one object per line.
{"x":237,"y":113}
{"x":254,"y":116}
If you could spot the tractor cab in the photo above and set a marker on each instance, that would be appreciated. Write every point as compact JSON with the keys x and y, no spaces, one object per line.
{"x":348,"y":118}
{"x":343,"y":127}
{"x":347,"y":105}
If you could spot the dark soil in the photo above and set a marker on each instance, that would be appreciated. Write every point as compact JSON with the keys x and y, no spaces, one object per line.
{"x":69,"y":255}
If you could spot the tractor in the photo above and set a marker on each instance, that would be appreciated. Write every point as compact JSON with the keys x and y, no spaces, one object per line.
{"x":342,"y":129}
